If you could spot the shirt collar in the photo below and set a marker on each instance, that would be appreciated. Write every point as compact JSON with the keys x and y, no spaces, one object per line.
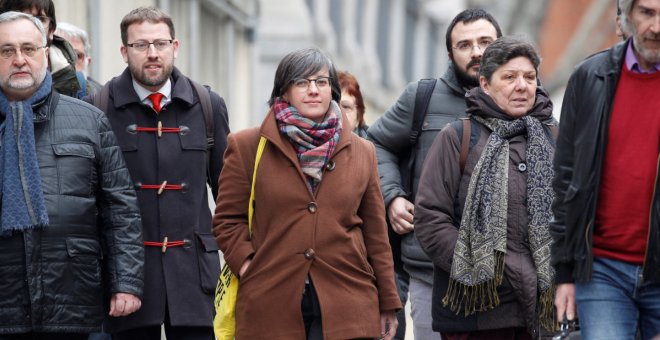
{"x":632,"y":63}
{"x":143,"y":93}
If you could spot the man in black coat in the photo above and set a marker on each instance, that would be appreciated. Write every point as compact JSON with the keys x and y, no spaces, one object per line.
{"x":70,"y":233}
{"x":157,"y":114}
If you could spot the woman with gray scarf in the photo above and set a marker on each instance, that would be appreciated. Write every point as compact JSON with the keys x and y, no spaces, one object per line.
{"x":483,"y":209}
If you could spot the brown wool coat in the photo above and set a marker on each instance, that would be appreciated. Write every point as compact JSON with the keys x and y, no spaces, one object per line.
{"x":337,"y":237}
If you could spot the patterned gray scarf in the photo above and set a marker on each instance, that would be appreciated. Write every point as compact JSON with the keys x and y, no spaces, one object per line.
{"x":478,"y":262}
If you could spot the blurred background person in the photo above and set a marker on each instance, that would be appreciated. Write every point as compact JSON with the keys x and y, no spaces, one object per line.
{"x":319,"y":234}
{"x":79,"y":41}
{"x":484,"y":204}
{"x":352,"y":104}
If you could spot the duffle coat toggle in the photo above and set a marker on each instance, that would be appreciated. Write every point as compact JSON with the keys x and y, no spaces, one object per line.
{"x":159,"y":129}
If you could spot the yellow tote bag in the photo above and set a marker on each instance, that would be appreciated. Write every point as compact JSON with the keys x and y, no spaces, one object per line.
{"x":226,"y":291}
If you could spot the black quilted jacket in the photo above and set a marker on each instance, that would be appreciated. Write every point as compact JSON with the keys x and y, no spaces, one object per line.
{"x":59,"y":279}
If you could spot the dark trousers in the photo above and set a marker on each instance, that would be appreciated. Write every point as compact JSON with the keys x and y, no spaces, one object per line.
{"x":44,"y":336}
{"x":311,"y":311}
{"x":517,"y":333}
{"x":171,"y":333}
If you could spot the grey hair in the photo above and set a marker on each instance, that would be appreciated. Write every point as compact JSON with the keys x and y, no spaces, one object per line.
{"x":14,"y":16}
{"x":303,"y":63}
{"x":73,"y":31}
{"x":625,"y":9}
{"x":505,"y":49}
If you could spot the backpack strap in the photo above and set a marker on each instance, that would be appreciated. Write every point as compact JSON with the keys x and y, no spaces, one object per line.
{"x":465,"y":142}
{"x":100,"y":98}
{"x":207,"y":111}
{"x":554,"y":131}
{"x":422,"y":98}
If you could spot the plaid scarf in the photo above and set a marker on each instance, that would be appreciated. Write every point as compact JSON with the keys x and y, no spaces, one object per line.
{"x":23,"y":205}
{"x":478,"y":261}
{"x":314,"y":142}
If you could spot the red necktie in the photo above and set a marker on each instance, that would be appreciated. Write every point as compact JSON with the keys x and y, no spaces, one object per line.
{"x":155,"y":98}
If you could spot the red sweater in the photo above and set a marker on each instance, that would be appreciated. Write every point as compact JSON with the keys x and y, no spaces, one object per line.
{"x":629,"y":169}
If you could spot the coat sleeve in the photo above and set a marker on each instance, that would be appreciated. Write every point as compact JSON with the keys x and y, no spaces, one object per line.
{"x":121,"y":226}
{"x":563,"y":168}
{"x":221,"y":125}
{"x":436,"y":223}
{"x":230,"y":222}
{"x":390,"y":134}
{"x":374,"y":229}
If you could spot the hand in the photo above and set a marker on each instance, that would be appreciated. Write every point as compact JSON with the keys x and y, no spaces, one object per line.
{"x":244,"y":267}
{"x":122,"y":304}
{"x":401,"y":213}
{"x":565,"y":301}
{"x":388,"y":325}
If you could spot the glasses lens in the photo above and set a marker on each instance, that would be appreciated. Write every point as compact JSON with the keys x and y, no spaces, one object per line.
{"x":322,"y":82}
{"x":301,"y":83}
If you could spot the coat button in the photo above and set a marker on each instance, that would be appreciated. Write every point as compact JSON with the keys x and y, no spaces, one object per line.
{"x":309,"y":254}
{"x":311,"y":207}
{"x":522,"y":167}
{"x":330,"y":166}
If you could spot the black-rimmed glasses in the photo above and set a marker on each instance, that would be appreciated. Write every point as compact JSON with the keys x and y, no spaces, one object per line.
{"x":142,"y":46}
{"x":302,"y":84}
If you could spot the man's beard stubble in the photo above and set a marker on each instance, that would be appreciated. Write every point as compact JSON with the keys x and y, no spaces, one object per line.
{"x":464,"y":79}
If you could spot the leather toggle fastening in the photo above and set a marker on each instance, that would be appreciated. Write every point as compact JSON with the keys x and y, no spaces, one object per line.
{"x":168,"y":244}
{"x":162,"y":187}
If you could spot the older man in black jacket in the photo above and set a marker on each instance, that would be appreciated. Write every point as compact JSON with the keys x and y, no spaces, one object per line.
{"x":70,"y":232}
{"x":607,"y":210}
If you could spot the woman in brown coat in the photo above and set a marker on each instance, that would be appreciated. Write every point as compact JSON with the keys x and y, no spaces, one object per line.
{"x":484,"y":221}
{"x":318,"y":264}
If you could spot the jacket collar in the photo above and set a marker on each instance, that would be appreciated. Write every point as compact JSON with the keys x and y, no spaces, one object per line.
{"x":450,"y":79}
{"x":616,"y":56}
{"x":124,"y":93}
{"x":43,"y":109}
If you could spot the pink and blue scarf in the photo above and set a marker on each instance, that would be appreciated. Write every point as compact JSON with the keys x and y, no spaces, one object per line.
{"x":314,"y":142}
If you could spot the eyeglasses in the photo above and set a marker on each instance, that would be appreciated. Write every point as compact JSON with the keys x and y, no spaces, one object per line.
{"x":466,"y":46}
{"x":7,"y":52}
{"x":321,"y":83}
{"x":142,"y":46}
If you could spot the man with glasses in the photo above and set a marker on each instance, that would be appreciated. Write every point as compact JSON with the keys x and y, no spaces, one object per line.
{"x":61,"y":56}
{"x":70,"y":228}
{"x":467,"y":36}
{"x":160,"y":120}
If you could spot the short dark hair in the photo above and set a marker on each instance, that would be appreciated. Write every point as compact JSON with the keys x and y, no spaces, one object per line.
{"x":505,"y":49}
{"x":142,"y":14}
{"x":45,"y":6}
{"x":348,"y":83}
{"x":303,"y":63}
{"x":467,"y":16}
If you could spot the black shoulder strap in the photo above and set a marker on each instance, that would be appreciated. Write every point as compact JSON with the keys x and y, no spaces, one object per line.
{"x":100,"y":98}
{"x":554,"y":130}
{"x":422,"y":99}
{"x":207,"y":110}
{"x":465,"y":142}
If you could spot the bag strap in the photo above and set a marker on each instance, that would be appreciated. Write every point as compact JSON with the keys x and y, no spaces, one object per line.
{"x":257,"y":159}
{"x":465,"y":142}
{"x":422,"y":98}
{"x":100,"y":98}
{"x":207,"y":111}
